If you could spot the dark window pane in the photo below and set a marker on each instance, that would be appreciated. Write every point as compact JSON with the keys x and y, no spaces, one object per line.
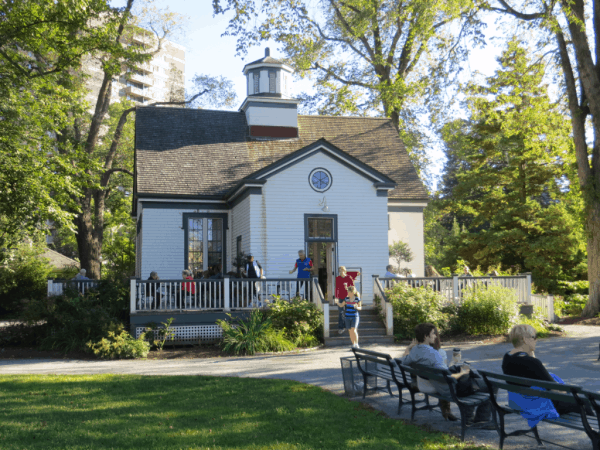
{"x":325,"y":229}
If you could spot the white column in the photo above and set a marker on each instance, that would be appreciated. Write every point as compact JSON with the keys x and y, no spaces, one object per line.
{"x":132,"y":293}
{"x":326,"y":320}
{"x":455,"y":298}
{"x":226,"y":295}
{"x":49,"y":288}
{"x":389,"y":319}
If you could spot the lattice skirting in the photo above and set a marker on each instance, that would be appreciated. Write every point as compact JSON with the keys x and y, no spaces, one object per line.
{"x":190,"y":333}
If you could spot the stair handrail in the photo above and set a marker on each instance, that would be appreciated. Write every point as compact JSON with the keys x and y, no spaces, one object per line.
{"x":386,"y":306}
{"x":319,"y":300}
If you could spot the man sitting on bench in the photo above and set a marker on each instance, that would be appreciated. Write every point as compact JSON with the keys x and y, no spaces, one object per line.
{"x":422,"y":353}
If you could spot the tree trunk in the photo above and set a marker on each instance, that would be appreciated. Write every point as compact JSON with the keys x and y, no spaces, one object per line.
{"x":592,"y":308}
{"x":89,"y":244}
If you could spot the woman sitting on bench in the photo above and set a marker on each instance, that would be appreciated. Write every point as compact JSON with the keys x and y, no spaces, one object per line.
{"x":421,"y":352}
{"x":521,"y":362}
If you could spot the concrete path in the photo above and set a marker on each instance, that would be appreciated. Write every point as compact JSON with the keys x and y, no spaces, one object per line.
{"x":573,"y":358}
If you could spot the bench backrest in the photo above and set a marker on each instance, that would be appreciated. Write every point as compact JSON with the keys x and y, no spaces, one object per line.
{"x":382,"y":361}
{"x":428,"y":373}
{"x":566,"y":392}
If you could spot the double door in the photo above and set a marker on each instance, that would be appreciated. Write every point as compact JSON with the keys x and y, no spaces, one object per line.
{"x":324,"y":258}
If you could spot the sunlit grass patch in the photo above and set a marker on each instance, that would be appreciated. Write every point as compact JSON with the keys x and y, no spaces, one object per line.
{"x":193,"y":412}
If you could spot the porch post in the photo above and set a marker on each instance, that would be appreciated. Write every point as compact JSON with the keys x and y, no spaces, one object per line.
{"x":550,"y":303}
{"x":326,"y":319}
{"x":226,"y":302}
{"x":132,"y":294}
{"x":528,"y":289}
{"x":50,"y":290}
{"x":389,"y":319}
{"x":455,"y":298}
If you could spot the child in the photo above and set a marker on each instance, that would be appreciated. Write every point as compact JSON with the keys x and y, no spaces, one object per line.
{"x":341,"y":292}
{"x":352,"y":305}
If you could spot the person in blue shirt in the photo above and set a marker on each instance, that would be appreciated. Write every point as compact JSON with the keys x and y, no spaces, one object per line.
{"x":304,"y":266}
{"x":352,"y":305}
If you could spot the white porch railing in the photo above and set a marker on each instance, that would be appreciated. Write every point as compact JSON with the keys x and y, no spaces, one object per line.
{"x":452,"y":287}
{"x":386,"y":307}
{"x":214,"y":294}
{"x":58,"y":287}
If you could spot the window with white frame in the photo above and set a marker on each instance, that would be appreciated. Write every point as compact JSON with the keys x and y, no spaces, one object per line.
{"x":272,"y":82}
{"x":256,"y":83}
{"x":205,"y":242}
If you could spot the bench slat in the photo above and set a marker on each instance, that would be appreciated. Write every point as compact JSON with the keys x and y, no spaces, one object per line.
{"x":567,"y":398}
{"x":526,"y":382}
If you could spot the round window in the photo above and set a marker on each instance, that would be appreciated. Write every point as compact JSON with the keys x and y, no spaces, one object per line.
{"x":320,"y":179}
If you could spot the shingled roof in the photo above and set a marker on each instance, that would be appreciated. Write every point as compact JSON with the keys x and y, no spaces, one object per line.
{"x":196,"y":152}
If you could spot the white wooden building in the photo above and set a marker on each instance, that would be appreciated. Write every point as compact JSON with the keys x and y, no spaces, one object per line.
{"x":267,"y":181}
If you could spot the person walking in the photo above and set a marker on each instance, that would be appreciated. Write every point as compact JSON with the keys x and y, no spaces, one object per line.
{"x":304,"y":266}
{"x":341,"y":292}
{"x":352,"y":305}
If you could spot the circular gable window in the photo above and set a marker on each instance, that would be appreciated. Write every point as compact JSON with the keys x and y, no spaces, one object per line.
{"x":320,"y":179}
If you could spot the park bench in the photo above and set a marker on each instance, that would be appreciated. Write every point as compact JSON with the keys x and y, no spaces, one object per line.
{"x":442,"y":376}
{"x":553,"y":391}
{"x":380,"y":365}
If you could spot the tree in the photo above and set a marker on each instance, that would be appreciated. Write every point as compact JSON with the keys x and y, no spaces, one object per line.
{"x":512,"y":187}
{"x":41,"y":43}
{"x":368,"y":57}
{"x":400,"y":251}
{"x":575,"y":41}
{"x":102,"y":137}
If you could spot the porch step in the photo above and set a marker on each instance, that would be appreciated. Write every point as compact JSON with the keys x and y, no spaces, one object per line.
{"x":344,"y":341}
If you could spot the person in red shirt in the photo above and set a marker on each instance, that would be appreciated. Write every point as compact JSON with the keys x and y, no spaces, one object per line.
{"x":341,"y":292}
{"x":187,"y":289}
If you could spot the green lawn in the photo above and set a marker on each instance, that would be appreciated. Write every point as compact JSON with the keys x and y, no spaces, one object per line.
{"x":193,"y":412}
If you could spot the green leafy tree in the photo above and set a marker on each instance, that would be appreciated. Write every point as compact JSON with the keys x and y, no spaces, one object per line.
{"x":367,"y":57}
{"x":566,"y":32}
{"x":400,"y":251}
{"x":512,"y":186}
{"x":42,"y":42}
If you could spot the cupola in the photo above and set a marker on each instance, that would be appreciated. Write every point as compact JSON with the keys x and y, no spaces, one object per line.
{"x":271,"y":111}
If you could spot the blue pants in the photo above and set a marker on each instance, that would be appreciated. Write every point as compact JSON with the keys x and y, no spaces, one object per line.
{"x":341,"y":318}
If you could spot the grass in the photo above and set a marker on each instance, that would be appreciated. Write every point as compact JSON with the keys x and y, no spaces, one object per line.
{"x":193,"y":412}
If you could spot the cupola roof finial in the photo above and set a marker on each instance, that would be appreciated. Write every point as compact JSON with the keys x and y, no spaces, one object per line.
{"x":267,"y":52}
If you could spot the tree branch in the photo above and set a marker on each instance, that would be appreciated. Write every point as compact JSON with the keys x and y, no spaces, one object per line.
{"x":513,"y":12}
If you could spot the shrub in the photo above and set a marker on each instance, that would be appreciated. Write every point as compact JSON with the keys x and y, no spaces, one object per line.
{"x":487,"y":310}
{"x":120,"y":344}
{"x":571,"y":305}
{"x":23,"y":277}
{"x":73,"y":319}
{"x":301,"y":321}
{"x":253,"y":335}
{"x":573,"y":287}
{"x":413,"y":306}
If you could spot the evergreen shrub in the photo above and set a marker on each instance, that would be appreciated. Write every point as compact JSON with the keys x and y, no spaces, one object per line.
{"x":488,"y":309}
{"x":571,"y":305}
{"x":301,"y":321}
{"x":413,"y":306}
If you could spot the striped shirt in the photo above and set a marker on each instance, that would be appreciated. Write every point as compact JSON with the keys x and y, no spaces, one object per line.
{"x":350,"y":306}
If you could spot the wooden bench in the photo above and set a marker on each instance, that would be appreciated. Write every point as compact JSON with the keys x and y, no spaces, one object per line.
{"x":442,"y":376}
{"x":554,"y":391}
{"x":380,"y":365}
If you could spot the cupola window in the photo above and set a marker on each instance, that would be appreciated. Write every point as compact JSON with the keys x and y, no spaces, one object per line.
{"x":256,"y":82}
{"x":272,"y":82}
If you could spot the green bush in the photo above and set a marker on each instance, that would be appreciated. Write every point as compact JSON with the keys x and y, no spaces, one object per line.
{"x":572,"y":287}
{"x":301,"y":321}
{"x":413,"y":306}
{"x":120,"y":345}
{"x":253,"y":335}
{"x":487,"y":310}
{"x":23,"y":277}
{"x":571,"y":305}
{"x":72,"y":319}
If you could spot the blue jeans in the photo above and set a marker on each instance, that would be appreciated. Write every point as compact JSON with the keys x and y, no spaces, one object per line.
{"x":341,"y":319}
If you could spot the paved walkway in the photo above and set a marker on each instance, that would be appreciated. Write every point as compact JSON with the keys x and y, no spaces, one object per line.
{"x":573,"y":358}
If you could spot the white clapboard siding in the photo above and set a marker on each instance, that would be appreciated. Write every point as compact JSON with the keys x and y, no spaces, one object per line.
{"x":408,"y":227}
{"x":287,"y":196}
{"x":163,"y":242}
{"x":239,"y":226}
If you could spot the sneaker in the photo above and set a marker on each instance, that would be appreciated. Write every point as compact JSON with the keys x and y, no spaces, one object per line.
{"x":341,"y":330}
{"x":356,"y":346}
